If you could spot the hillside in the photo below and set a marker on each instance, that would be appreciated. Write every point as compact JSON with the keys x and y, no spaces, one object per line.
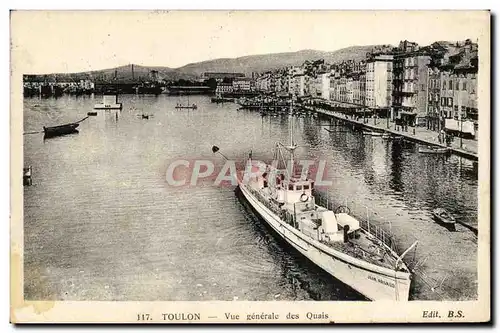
{"x":123,"y":74}
{"x":260,"y":63}
{"x":246,"y":64}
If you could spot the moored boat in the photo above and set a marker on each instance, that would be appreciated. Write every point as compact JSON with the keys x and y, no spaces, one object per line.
{"x":444,"y":217}
{"x":192,"y":107}
{"x":353,"y":251}
{"x":432,"y":150}
{"x":60,"y":130}
{"x":372,"y":133}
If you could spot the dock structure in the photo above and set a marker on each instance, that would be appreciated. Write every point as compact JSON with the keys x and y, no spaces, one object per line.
{"x":410,"y":136}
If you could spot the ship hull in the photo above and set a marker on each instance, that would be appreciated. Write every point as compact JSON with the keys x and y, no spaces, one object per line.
{"x":375,"y":283}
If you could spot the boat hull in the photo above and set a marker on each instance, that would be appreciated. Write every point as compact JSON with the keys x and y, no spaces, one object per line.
{"x":448,"y":224}
{"x":433,"y":151}
{"x":373,"y":283}
{"x":60,"y":130}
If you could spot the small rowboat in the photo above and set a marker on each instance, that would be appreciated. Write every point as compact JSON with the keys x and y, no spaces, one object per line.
{"x":60,"y":130}
{"x":443,"y":217}
{"x":51,"y":131}
{"x":372,"y":133}
{"x":432,"y":150}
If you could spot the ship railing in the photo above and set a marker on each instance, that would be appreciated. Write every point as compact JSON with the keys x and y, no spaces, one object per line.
{"x":369,"y":220}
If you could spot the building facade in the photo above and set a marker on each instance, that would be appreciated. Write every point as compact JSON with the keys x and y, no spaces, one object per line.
{"x":379,"y":82}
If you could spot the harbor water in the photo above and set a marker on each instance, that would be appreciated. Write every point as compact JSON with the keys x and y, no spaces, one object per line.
{"x":102,"y":223}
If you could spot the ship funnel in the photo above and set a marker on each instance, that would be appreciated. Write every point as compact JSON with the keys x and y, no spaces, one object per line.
{"x":346,"y":233}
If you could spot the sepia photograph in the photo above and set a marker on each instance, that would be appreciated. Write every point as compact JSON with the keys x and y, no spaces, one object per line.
{"x":250,"y":166}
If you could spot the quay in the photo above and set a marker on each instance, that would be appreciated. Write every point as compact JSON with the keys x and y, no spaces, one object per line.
{"x":420,"y":135}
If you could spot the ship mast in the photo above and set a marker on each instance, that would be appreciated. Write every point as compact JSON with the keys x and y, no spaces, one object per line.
{"x":292,"y":146}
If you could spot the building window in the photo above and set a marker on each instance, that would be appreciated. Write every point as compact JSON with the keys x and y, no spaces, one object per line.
{"x":422,"y":86}
{"x":464,"y":85}
{"x":450,"y":85}
{"x":444,"y":85}
{"x":457,"y":86}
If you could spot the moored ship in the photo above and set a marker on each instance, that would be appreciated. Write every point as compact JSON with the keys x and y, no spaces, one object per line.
{"x":353,"y":251}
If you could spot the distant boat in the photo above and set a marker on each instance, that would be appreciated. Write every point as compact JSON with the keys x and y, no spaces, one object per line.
{"x":192,"y":107}
{"x":372,"y":133}
{"x":186,"y":106}
{"x":60,"y":130}
{"x":109,"y":102}
{"x":432,"y":150}
{"x":92,"y":113}
{"x":442,"y":216}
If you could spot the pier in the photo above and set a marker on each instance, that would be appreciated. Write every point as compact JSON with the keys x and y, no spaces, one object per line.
{"x":416,"y":134}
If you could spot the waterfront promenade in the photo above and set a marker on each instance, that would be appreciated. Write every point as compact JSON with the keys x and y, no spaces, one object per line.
{"x":418,"y":134}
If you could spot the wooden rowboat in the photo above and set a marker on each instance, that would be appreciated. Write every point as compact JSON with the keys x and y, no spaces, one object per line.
{"x":60,"y":130}
{"x":443,"y":217}
{"x":51,"y":131}
{"x":432,"y":150}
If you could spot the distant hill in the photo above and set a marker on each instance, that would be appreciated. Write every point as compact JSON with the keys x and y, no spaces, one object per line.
{"x":123,"y":74}
{"x":261,"y":63}
{"x":246,"y":64}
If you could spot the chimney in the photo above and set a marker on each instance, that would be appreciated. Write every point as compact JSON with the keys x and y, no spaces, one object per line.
{"x":346,"y":231}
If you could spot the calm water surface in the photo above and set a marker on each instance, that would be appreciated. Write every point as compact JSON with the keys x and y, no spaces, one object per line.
{"x":101,"y":223}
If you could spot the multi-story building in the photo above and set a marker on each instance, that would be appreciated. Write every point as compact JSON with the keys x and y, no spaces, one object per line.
{"x":362,"y":88}
{"x":349,"y":93}
{"x":297,"y":85}
{"x":356,"y":89}
{"x":410,"y":85}
{"x":224,"y":88}
{"x":342,"y":89}
{"x":322,"y":85}
{"x":435,"y":117}
{"x":243,"y":84}
{"x":379,"y":83}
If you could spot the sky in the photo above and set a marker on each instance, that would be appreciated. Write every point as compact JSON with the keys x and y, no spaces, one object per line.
{"x":74,"y":41}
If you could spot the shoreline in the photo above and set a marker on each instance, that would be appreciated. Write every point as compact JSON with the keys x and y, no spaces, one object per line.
{"x":411,"y":137}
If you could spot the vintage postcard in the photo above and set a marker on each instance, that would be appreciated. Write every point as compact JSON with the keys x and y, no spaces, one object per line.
{"x":250,"y":166}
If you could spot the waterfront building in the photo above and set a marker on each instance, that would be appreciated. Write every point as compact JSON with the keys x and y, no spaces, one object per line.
{"x":224,"y":88}
{"x":410,"y":86}
{"x":435,"y":114}
{"x":356,"y":89}
{"x":379,"y":82}
{"x":243,"y":84}
{"x":322,"y":82}
{"x":349,"y":90}
{"x":362,"y":87}
{"x":297,"y":85}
